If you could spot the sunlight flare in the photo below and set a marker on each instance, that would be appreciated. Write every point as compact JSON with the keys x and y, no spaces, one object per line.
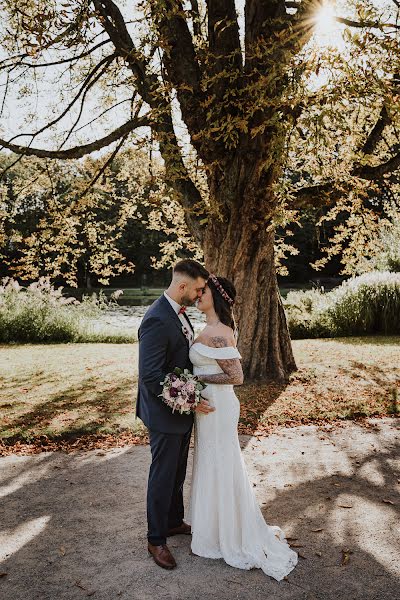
{"x":326,"y":28}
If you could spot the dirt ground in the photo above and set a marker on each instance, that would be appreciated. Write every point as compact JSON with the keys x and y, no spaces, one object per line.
{"x":74,"y":525}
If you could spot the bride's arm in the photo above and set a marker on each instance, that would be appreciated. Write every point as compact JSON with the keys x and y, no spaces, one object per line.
{"x":232,"y":367}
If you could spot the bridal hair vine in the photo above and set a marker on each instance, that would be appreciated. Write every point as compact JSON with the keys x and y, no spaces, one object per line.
{"x":219,"y":287}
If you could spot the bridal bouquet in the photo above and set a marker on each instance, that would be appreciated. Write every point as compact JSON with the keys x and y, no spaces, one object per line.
{"x":182,"y":390}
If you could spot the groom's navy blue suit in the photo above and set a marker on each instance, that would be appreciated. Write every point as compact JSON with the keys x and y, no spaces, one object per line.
{"x":162,"y":347}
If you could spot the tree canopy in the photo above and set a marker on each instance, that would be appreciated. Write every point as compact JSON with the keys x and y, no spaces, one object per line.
{"x":254,"y":118}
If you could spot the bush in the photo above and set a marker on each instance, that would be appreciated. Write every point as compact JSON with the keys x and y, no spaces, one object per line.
{"x":386,"y":244}
{"x":363,"y":305}
{"x":40,"y":313}
{"x":302,"y":310}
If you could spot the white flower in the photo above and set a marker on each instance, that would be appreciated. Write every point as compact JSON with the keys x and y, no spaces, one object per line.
{"x":117,"y":294}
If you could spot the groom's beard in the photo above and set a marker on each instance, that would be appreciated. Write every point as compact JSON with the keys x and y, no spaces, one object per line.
{"x":188,"y":301}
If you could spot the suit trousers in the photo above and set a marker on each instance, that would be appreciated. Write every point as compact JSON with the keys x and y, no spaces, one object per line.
{"x":165,"y":510}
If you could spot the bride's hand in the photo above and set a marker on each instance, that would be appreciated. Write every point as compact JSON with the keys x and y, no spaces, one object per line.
{"x":204,"y":407}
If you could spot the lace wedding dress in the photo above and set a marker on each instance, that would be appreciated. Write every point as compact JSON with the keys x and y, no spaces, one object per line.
{"x":224,"y":514}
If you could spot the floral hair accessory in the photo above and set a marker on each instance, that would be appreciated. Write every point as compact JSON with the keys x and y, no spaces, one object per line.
{"x":219,"y":287}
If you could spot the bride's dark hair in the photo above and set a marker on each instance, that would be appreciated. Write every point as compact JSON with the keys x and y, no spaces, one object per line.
{"x":221,"y":306}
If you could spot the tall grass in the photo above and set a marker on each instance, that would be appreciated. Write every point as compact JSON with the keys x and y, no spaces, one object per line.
{"x":39,"y":313}
{"x":363,"y":305}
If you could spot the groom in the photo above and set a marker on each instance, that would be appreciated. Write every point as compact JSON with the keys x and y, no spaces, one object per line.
{"x":165,"y":335}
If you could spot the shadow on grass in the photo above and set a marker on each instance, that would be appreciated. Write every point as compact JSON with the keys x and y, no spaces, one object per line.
{"x":96,"y":410}
{"x":378,"y":340}
{"x":371,"y":373}
{"x":255,"y":398}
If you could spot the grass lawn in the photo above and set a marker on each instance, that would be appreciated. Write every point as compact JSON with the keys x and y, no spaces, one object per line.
{"x":68,"y":396}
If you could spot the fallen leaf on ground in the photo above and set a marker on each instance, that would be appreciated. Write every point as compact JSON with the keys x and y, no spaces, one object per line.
{"x":346,"y":556}
{"x":3,"y":574}
{"x":345,"y":506}
{"x":318,"y":553}
{"x":62,"y":550}
{"x":388,"y":502}
{"x":316,"y":530}
{"x":301,"y":555}
{"x":78,"y":583}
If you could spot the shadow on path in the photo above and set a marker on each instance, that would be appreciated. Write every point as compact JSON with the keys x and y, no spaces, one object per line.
{"x":74,"y":526}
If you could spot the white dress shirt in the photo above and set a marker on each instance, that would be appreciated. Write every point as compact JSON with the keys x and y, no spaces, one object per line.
{"x":183,"y":320}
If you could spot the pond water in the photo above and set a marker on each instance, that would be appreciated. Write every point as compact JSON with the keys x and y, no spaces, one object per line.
{"x":126,"y":319}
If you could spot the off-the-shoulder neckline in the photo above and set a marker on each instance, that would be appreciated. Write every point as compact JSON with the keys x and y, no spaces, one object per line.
{"x":214,"y":347}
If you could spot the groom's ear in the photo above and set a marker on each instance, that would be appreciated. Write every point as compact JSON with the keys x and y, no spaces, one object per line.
{"x":182,"y":286}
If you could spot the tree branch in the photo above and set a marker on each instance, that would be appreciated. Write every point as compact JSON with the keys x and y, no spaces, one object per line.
{"x":79,"y":151}
{"x":326,"y":193}
{"x":87,"y":82}
{"x":373,"y":172}
{"x":309,"y":7}
{"x":111,"y":19}
{"x":182,"y":68}
{"x":148,"y":86}
{"x":104,"y":167}
{"x":313,"y":196}
{"x":366,"y":24}
{"x":224,"y":41}
{"x":375,"y":134}
{"x":195,"y":18}
{"x":55,"y":62}
{"x":82,"y":103}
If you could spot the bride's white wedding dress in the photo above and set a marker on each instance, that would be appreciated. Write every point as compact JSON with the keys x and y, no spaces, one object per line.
{"x":224,"y":514}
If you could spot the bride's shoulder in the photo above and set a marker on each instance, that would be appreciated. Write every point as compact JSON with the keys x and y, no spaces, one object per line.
{"x":221,"y":336}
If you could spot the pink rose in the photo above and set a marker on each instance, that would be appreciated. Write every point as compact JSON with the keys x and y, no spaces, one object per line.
{"x":189,"y":387}
{"x":177,"y":384}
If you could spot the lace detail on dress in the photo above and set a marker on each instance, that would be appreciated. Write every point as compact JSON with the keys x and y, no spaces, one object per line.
{"x":223,"y":512}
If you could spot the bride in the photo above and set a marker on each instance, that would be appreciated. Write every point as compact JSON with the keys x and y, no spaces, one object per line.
{"x":224,"y":515}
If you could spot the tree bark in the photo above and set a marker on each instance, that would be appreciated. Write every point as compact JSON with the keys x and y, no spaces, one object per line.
{"x":242,"y":250}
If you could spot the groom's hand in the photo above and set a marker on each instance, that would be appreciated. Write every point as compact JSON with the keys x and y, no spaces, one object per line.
{"x":204,"y":407}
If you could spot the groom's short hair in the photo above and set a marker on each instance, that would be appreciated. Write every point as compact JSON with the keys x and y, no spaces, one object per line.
{"x":192,"y":268}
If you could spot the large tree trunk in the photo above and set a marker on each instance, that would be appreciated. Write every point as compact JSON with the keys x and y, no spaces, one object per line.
{"x":242,"y":249}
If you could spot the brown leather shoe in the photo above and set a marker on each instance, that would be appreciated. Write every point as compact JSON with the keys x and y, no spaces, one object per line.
{"x":184,"y":529}
{"x":162,"y":556}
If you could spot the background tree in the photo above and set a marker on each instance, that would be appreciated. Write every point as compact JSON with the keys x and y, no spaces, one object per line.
{"x":57,"y":223}
{"x":253,"y":106}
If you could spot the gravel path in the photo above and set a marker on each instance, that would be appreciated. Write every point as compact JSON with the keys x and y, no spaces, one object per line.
{"x":73,"y":525}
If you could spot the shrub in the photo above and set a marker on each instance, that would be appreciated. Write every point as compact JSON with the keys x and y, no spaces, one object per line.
{"x":363,"y":305}
{"x":40,"y":313}
{"x":367,"y":304}
{"x":386,"y":244}
{"x":303,"y":308}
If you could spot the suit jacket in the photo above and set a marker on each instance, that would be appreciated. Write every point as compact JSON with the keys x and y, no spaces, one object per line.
{"x":162,"y":347}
